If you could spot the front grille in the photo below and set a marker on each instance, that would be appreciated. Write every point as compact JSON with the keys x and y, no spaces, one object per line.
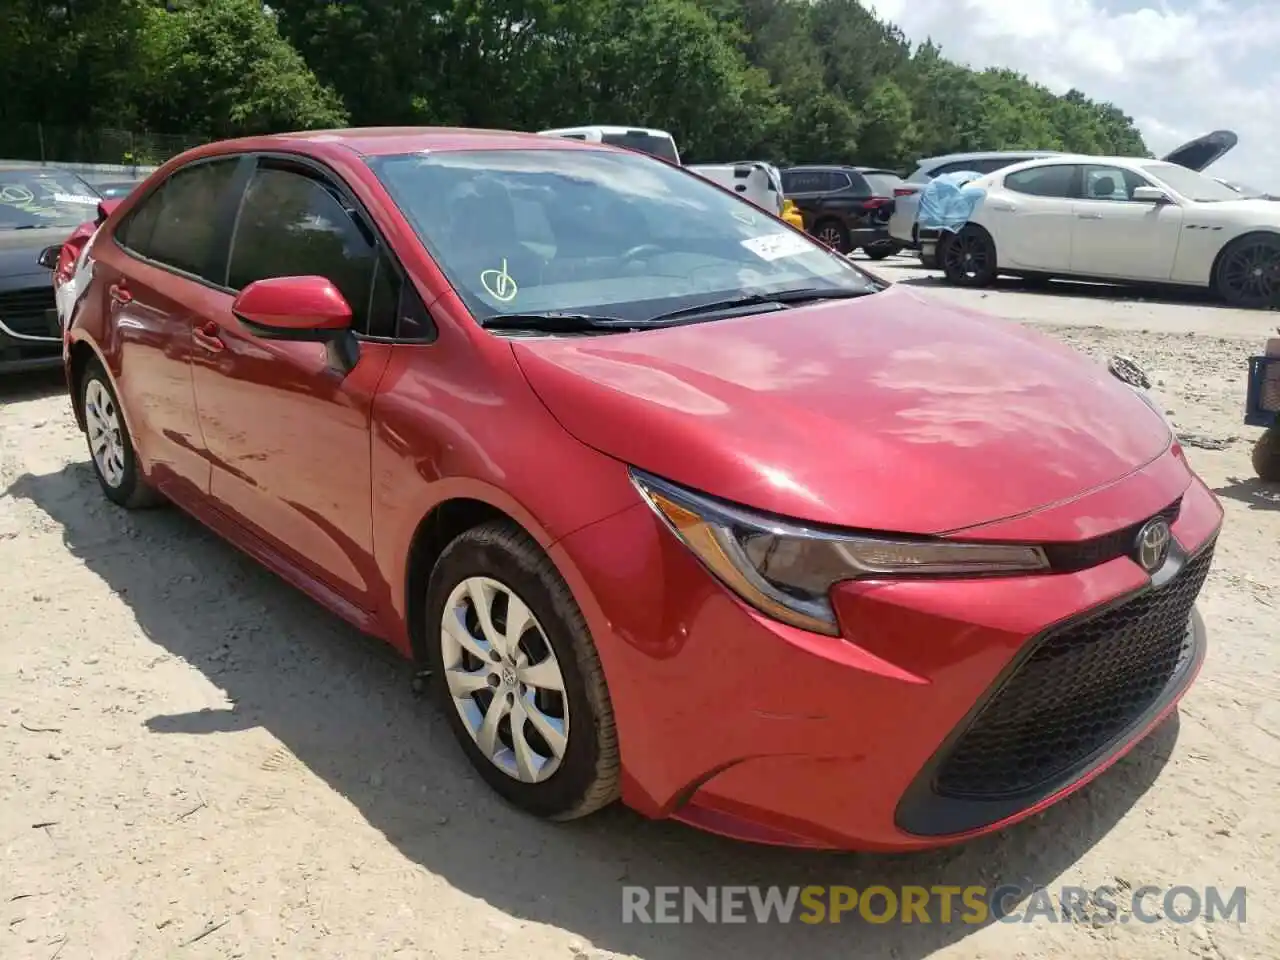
{"x":27,"y":311}
{"x":1084,"y":685}
{"x":1069,"y":557}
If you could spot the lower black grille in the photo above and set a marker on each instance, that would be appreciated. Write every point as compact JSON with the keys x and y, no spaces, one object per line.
{"x":1084,"y":685}
{"x":27,"y":311}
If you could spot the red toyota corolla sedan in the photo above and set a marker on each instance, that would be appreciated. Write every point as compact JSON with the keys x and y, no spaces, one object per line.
{"x":678,"y":506}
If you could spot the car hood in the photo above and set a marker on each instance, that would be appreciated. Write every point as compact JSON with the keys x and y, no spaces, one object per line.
{"x":20,"y":248}
{"x":892,"y":412}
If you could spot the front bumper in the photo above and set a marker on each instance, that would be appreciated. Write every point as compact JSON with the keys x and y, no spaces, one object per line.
{"x":30,"y":334}
{"x":741,"y":726}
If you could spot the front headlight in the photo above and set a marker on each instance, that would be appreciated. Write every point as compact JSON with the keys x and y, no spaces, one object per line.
{"x":786,"y":570}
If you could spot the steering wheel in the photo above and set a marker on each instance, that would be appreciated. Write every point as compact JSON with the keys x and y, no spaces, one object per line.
{"x":640,"y":248}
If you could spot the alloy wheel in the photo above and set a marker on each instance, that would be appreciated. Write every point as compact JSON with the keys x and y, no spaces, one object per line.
{"x":106,"y":441}
{"x":1250,"y":274}
{"x":504,"y":679}
{"x":966,"y":255}
{"x":830,"y":235}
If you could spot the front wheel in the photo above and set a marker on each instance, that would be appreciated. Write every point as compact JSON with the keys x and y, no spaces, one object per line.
{"x":514,"y":664}
{"x":110,"y":446}
{"x":968,"y":257}
{"x":1248,"y":273}
{"x":1266,"y":455}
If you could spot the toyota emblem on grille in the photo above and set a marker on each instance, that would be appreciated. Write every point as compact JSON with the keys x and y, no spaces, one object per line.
{"x":1151,"y":547}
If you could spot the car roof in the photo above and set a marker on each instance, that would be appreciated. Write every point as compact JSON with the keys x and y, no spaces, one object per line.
{"x":928,"y":163}
{"x":23,"y":168}
{"x":606,"y":128}
{"x":1086,"y":158}
{"x":387,"y":141}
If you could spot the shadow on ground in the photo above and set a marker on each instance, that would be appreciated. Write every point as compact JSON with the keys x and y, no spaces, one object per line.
{"x":31,"y":385}
{"x":1257,"y":494}
{"x":343,"y":706}
{"x":1156,"y":294}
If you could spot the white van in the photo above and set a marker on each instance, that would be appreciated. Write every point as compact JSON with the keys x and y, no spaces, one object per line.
{"x":657,"y":143}
{"x":750,"y":179}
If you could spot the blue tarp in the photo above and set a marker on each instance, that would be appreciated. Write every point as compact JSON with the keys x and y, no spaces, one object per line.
{"x":947,"y":203}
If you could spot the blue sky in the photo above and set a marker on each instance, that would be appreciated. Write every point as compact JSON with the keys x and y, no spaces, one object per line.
{"x":1180,"y":68}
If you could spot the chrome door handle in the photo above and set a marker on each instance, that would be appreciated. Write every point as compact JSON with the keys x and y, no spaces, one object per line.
{"x":1089,"y":216}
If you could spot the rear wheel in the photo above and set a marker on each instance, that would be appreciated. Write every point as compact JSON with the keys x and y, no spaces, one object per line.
{"x":1248,"y":272}
{"x":1266,"y":455}
{"x":515,"y":667}
{"x":110,"y":446}
{"x":879,"y":251}
{"x":833,"y":234}
{"x":969,"y":257}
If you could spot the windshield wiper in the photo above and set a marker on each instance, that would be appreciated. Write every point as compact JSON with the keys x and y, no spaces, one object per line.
{"x":798,"y":295}
{"x":557,"y":322}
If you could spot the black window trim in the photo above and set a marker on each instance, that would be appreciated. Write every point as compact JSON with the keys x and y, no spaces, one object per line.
{"x":329,"y":180}
{"x":227,"y":213}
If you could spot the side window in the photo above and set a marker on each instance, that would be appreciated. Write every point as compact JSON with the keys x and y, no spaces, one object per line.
{"x":845,"y":181}
{"x":1043,"y":181}
{"x":807,"y":181}
{"x":955,"y":167}
{"x":292,"y":225}
{"x":395,"y":309}
{"x":1111,"y":183}
{"x":178,"y":224}
{"x":992,"y":164}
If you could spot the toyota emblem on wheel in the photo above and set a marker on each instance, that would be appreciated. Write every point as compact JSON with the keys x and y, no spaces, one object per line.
{"x":1152,"y":544}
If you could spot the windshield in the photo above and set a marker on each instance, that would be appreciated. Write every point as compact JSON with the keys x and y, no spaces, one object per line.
{"x":601,"y":232}
{"x":36,"y":198}
{"x":663,"y":147}
{"x":1190,"y":184}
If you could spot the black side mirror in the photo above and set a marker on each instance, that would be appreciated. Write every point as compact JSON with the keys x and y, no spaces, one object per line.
{"x":49,"y":256}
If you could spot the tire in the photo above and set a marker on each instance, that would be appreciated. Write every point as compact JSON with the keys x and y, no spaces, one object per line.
{"x":485,"y":561}
{"x":1247,"y":273}
{"x":880,"y":251}
{"x":968,"y":257}
{"x":115,"y":462}
{"x":834,"y":234}
{"x":1266,"y":455}
{"x":929,"y":261}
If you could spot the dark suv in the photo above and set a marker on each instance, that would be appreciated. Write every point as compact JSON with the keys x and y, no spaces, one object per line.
{"x":845,"y":207}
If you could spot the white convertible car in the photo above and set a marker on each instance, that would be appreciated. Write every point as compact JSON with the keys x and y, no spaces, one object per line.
{"x":1118,"y":219}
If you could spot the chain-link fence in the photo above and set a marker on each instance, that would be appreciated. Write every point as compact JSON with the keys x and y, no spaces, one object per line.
{"x":48,"y":144}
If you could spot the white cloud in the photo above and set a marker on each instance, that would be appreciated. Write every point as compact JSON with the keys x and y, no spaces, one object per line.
{"x":1180,"y":68}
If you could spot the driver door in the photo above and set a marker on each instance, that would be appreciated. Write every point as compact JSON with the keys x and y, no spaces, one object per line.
{"x":286,"y":431}
{"x":1118,"y":237}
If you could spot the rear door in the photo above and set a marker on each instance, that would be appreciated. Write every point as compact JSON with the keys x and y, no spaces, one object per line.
{"x":1030,"y":215}
{"x":156,"y":277}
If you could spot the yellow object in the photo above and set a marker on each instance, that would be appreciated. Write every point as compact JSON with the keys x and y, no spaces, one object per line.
{"x":791,"y":214}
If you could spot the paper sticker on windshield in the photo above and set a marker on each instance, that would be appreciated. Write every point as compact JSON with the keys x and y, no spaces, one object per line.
{"x":499,"y":284}
{"x":75,"y":198}
{"x":775,"y":246}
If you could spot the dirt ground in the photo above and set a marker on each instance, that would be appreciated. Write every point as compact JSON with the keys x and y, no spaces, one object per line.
{"x":197,"y":762}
